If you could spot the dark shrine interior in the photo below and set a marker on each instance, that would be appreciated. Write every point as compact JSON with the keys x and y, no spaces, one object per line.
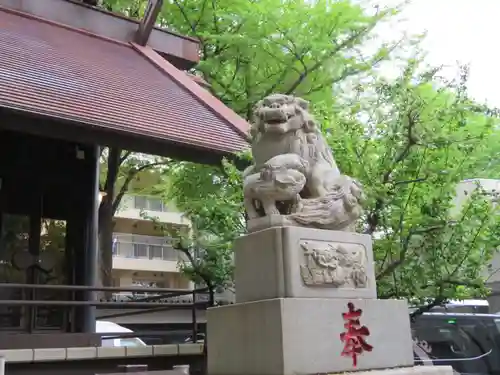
{"x":47,"y":190}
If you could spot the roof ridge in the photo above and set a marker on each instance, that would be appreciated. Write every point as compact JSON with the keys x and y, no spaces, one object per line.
{"x":238,"y":124}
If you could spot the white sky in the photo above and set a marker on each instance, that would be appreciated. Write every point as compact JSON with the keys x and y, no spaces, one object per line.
{"x":462,"y":31}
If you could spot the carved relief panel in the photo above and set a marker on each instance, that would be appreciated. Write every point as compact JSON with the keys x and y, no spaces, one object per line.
{"x":333,"y":264}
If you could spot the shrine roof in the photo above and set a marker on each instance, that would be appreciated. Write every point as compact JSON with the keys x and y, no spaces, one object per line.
{"x":58,"y":72}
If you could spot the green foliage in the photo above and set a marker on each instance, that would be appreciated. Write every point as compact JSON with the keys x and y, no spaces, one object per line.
{"x":197,"y":190}
{"x":208,"y":260}
{"x":257,"y":48}
{"x":418,"y":139}
{"x":211,"y":198}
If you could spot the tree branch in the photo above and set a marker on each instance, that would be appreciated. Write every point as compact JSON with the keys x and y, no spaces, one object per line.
{"x":296,"y":57}
{"x":226,"y":88}
{"x":462,"y":261}
{"x":202,"y":12}
{"x":461,"y":283}
{"x":130,"y":176}
{"x":348,"y":72}
{"x":347,"y":43}
{"x":438,"y":301}
{"x":374,"y":217}
{"x":196,"y":267}
{"x":405,"y":182}
{"x":124,"y":156}
{"x":404,"y":250}
{"x":186,"y":18}
{"x":248,"y":93}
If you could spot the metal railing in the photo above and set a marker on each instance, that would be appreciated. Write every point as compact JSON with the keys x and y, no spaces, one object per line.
{"x":163,"y":299}
{"x":185,"y":298}
{"x":220,"y":298}
{"x":145,"y":247}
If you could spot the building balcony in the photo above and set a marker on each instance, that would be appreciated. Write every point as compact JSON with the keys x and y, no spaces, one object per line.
{"x":145,"y":253}
{"x":137,"y":207}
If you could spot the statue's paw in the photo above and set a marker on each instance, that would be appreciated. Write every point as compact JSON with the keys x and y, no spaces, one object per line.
{"x":272,"y":211}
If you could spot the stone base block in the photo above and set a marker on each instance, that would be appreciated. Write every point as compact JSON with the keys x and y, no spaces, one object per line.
{"x":265,"y":222}
{"x":300,"y":262}
{"x":290,"y":336}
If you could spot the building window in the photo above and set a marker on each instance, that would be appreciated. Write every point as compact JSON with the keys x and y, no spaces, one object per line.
{"x":155,"y":252}
{"x":155,"y":205}
{"x":169,"y":253}
{"x":140,"y":202}
{"x":140,"y":246}
{"x":140,"y":250}
{"x":148,"y":203}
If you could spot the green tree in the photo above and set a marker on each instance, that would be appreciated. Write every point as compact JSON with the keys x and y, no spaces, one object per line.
{"x":421,"y":137}
{"x":418,"y":138}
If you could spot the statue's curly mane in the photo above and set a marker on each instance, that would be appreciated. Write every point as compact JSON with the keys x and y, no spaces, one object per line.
{"x":300,"y":133}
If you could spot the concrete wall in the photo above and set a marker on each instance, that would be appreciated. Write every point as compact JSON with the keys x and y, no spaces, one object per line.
{"x":464,"y":189}
{"x":492,"y":275}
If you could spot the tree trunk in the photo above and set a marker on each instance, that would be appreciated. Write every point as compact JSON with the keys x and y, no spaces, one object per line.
{"x":106,"y":248}
{"x":106,"y":222}
{"x":211,"y":295}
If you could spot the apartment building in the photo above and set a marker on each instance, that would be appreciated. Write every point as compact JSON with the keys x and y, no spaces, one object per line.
{"x":142,"y":255}
{"x":492,"y":273}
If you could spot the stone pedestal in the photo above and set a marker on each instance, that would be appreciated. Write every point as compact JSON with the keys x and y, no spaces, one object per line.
{"x":302,"y":336}
{"x":292,"y":287}
{"x":303,"y":263}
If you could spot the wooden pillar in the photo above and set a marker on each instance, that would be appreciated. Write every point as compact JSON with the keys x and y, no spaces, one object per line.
{"x":91,"y":250}
{"x":34,"y":249}
{"x":83,"y":234}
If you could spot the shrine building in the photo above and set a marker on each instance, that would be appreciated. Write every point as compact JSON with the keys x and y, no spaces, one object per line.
{"x":73,"y":80}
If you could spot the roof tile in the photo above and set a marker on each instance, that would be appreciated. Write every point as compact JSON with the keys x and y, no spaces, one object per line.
{"x":64,"y":73}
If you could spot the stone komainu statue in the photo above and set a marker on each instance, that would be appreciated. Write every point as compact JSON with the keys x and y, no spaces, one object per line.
{"x":295,"y":175}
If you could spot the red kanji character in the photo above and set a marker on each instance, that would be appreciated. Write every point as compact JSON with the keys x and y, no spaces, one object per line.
{"x":354,"y":337}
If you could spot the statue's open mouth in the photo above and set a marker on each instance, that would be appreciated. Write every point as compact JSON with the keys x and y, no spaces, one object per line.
{"x":277,"y":121}
{"x":273,"y":117}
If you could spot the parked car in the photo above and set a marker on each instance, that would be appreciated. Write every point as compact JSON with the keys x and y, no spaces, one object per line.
{"x":103,"y":326}
{"x":470,"y":343}
{"x":476,"y":306}
{"x":200,"y":338}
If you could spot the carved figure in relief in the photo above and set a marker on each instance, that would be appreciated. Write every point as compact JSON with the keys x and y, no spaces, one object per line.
{"x":295,"y":174}
{"x":339,"y":265}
